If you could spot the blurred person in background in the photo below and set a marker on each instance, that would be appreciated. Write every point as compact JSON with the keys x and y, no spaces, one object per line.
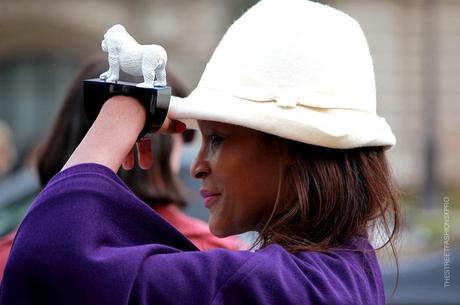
{"x":159,"y":187}
{"x":7,"y":161}
{"x":7,"y":150}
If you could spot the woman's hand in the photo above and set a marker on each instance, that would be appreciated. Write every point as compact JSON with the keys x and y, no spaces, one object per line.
{"x":112,"y":136}
{"x":144,"y":146}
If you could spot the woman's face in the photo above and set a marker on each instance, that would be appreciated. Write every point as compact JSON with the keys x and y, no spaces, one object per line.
{"x":240,"y":172}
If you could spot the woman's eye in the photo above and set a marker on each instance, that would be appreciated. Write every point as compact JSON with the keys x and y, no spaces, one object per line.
{"x":214,"y":140}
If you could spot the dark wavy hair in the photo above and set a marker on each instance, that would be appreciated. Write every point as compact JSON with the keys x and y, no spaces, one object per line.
{"x":71,"y":125}
{"x":339,"y":193}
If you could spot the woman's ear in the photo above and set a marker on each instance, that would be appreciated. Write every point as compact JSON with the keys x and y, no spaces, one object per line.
{"x":287,"y":158}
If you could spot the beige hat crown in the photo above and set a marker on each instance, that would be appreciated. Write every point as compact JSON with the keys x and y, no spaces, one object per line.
{"x":294,"y":68}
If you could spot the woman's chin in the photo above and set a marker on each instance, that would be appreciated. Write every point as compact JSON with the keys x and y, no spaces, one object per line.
{"x":218,"y":231}
{"x":221,"y":231}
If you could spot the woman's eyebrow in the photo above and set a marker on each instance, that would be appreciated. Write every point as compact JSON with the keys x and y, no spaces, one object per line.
{"x":208,"y":128}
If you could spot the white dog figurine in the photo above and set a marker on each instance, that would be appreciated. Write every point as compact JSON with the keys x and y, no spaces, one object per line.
{"x":148,"y":61}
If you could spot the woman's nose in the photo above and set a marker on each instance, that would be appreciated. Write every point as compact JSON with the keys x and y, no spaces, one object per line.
{"x":200,"y":167}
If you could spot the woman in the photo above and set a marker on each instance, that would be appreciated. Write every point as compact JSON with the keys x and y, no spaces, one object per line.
{"x":292,"y":148}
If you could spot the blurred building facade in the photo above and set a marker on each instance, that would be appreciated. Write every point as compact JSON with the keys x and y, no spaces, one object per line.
{"x":414,"y":44}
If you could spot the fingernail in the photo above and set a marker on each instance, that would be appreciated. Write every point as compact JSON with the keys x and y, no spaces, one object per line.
{"x":179,"y":126}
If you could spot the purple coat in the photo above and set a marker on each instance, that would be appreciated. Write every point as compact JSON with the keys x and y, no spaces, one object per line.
{"x":88,"y":240}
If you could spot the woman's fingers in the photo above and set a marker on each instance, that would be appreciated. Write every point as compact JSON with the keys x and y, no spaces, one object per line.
{"x":144,"y":153}
{"x":172,"y":126}
{"x":144,"y":146}
{"x":128,"y":162}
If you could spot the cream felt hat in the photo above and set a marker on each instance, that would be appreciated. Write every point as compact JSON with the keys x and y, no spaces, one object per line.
{"x":296,"y":69}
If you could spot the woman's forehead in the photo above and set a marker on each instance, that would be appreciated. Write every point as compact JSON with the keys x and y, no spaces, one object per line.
{"x":208,"y":124}
{"x":228,"y":129}
{"x":205,"y":126}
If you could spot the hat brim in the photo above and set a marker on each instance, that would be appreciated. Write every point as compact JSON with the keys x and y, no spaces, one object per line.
{"x":333,"y":128}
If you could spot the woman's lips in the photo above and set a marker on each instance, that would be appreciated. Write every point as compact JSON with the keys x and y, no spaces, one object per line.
{"x":209,"y":197}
